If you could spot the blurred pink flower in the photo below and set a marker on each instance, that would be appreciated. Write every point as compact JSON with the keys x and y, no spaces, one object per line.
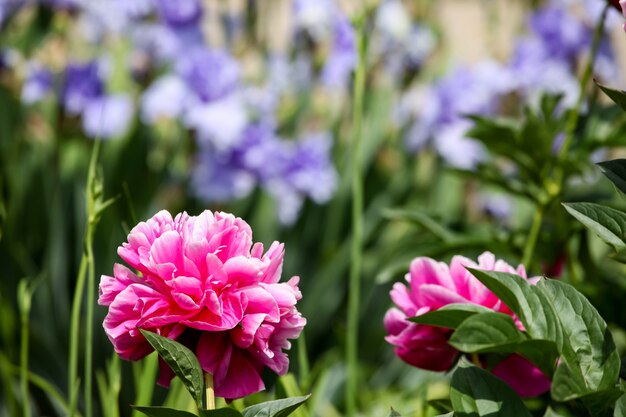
{"x":202,"y":281}
{"x":433,"y":285}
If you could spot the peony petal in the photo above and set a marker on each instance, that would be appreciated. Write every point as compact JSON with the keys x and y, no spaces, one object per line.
{"x":522,"y":375}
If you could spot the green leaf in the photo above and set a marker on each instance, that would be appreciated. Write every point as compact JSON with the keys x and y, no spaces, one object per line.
{"x":527,"y":301}
{"x":602,"y":403}
{"x":615,"y":170}
{"x":609,"y":224}
{"x":475,"y":392}
{"x":551,"y":413}
{"x":182,"y":361}
{"x":276,"y":408}
{"x":589,"y":362}
{"x":487,"y":332}
{"x":442,"y":405}
{"x":163,"y":412}
{"x":423,"y":220}
{"x":450,"y":414}
{"x":618,"y":96}
{"x":620,"y":407}
{"x":450,"y":316}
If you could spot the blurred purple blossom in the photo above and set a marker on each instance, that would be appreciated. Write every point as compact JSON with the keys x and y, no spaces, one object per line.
{"x":343,"y":55}
{"x":219,"y":122}
{"x":164,"y":98}
{"x":562,"y":35}
{"x":39,"y":82}
{"x":179,"y":13}
{"x":108,"y":116}
{"x":82,"y":84}
{"x":211,"y":74}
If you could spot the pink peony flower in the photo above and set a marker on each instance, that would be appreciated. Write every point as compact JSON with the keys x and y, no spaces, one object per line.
{"x":202,"y":282}
{"x":433,"y":285}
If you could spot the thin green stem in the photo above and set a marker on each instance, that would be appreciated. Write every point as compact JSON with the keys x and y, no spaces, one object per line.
{"x":531,"y":241}
{"x":356,"y":253}
{"x":25,"y":310}
{"x":574,"y":115}
{"x":89,"y":320}
{"x":74,"y":330}
{"x":209,"y":393}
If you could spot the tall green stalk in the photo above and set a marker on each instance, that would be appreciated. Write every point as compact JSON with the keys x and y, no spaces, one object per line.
{"x":24,"y":299}
{"x":356,"y":252}
{"x":556,"y":185}
{"x":94,"y":208}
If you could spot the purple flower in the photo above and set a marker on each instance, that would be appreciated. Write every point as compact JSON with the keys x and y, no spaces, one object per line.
{"x":165,"y":98}
{"x":82,"y":84}
{"x":179,"y":13}
{"x":219,"y":177}
{"x":108,"y":116}
{"x":212,"y":74}
{"x":343,"y":55}
{"x":563,"y":35}
{"x":39,"y":82}
{"x":219,"y":122}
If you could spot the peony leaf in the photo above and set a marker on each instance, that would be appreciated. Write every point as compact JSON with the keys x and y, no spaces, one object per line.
{"x":450,"y":316}
{"x":182,"y":361}
{"x":615,"y":170}
{"x":551,"y":413}
{"x":442,"y":405}
{"x":618,"y":96}
{"x":487,"y":332}
{"x":589,"y":359}
{"x":277,"y":408}
{"x":620,"y":407}
{"x":475,"y":392}
{"x":527,"y":301}
{"x":163,"y":412}
{"x":606,"y":222}
{"x":220,"y":412}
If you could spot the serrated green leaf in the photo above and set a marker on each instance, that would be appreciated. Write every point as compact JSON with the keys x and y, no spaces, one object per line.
{"x":528,"y":302}
{"x":163,"y":412}
{"x":450,"y":316}
{"x":276,"y":408}
{"x":606,"y":222}
{"x":589,"y":359}
{"x":487,"y":332}
{"x":182,"y":361}
{"x":618,"y":96}
{"x":475,"y":392}
{"x":615,"y":170}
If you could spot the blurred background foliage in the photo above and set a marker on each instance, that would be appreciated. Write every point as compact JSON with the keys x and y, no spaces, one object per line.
{"x":244,"y":106}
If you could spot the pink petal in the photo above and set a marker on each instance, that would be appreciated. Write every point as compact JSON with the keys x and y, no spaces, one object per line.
{"x":521,"y":375}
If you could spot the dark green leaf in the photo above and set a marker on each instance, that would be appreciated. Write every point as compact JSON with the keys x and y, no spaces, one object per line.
{"x":615,"y":170}
{"x":163,"y":412}
{"x":589,"y":361}
{"x":475,"y":392}
{"x":182,"y":361}
{"x":450,"y":316}
{"x":618,"y":96}
{"x":602,"y":404}
{"x":528,"y":302}
{"x":277,"y":408}
{"x":487,"y":332}
{"x":609,"y":224}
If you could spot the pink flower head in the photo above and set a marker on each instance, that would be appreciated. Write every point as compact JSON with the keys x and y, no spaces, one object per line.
{"x":203,"y":282}
{"x":433,"y":285}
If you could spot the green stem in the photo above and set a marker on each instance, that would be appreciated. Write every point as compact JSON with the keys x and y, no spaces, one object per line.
{"x":574,"y":115}
{"x":209,"y":393}
{"x":356,"y":253}
{"x":531,"y":242}
{"x":25,"y":307}
{"x":74,"y":330}
{"x":89,"y":320}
